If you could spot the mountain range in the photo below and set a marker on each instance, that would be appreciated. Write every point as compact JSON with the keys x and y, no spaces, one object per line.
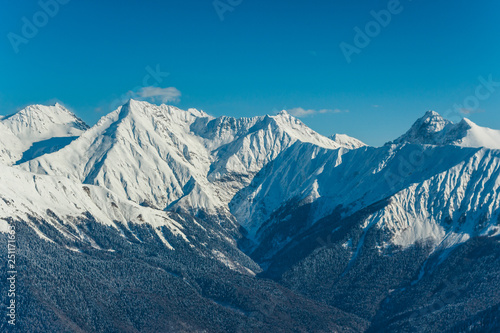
{"x":158,"y":219}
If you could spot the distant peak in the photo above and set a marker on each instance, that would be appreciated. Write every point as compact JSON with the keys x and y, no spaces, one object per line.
{"x":432,"y":113}
{"x":37,"y":122}
{"x":431,"y":122}
{"x":468,"y":122}
{"x":37,"y":110}
{"x":428,"y":129}
{"x":347,"y":141}
{"x":283,"y":113}
{"x":433,"y":129}
{"x":131,"y":101}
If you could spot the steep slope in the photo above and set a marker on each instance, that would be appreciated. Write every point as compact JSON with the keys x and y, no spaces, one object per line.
{"x":416,"y":249}
{"x":352,"y":179}
{"x":448,"y":208}
{"x":371,"y":230}
{"x":93,"y":262}
{"x":435,"y":130}
{"x":57,"y":209}
{"x":11,"y":147}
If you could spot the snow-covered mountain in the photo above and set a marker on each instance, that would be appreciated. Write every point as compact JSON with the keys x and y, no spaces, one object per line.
{"x":164,"y":157}
{"x":56,"y":203}
{"x":435,"y":130}
{"x":450,"y":184}
{"x":141,"y":152}
{"x":35,"y":130}
{"x":253,"y":194}
{"x":39,"y":122}
{"x":449,"y":207}
{"x":247,"y":170}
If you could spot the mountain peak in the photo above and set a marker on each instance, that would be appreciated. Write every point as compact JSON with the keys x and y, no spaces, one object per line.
{"x":56,"y":113}
{"x":37,"y":129}
{"x":347,"y":141}
{"x":426,"y":130}
{"x":40,"y":122}
{"x":467,"y":122}
{"x":435,"y":130}
{"x":432,"y":113}
{"x":432,"y":122}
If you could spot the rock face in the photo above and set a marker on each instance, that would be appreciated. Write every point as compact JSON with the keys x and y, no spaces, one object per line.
{"x":248,"y":224}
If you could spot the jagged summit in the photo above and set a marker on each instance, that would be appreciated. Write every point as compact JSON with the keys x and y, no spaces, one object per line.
{"x":429,"y":129}
{"x":433,"y":129}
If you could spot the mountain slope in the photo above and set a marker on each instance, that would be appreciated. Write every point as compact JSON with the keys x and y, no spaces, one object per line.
{"x":352,"y":179}
{"x":11,"y":147}
{"x":57,"y":208}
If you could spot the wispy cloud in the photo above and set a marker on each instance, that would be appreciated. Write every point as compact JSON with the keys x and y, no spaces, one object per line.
{"x":470,"y":111}
{"x":301,"y":112}
{"x":156,"y":94}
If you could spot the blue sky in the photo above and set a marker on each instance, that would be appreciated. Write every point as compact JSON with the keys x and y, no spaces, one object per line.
{"x":262,"y":57}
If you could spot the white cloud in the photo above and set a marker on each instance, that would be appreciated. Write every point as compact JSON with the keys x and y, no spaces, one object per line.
{"x":301,"y":112}
{"x":157,"y":94}
{"x":470,"y":111}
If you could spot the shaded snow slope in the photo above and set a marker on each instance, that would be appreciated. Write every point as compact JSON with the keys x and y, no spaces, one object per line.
{"x":452,"y":190}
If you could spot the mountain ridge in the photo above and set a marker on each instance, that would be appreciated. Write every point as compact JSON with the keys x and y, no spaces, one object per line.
{"x":212,"y":205}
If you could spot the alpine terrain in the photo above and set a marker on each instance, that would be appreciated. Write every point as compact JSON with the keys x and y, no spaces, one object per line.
{"x":158,"y":219}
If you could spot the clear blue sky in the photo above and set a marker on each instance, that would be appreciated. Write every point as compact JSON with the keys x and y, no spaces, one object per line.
{"x":263,"y":57}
